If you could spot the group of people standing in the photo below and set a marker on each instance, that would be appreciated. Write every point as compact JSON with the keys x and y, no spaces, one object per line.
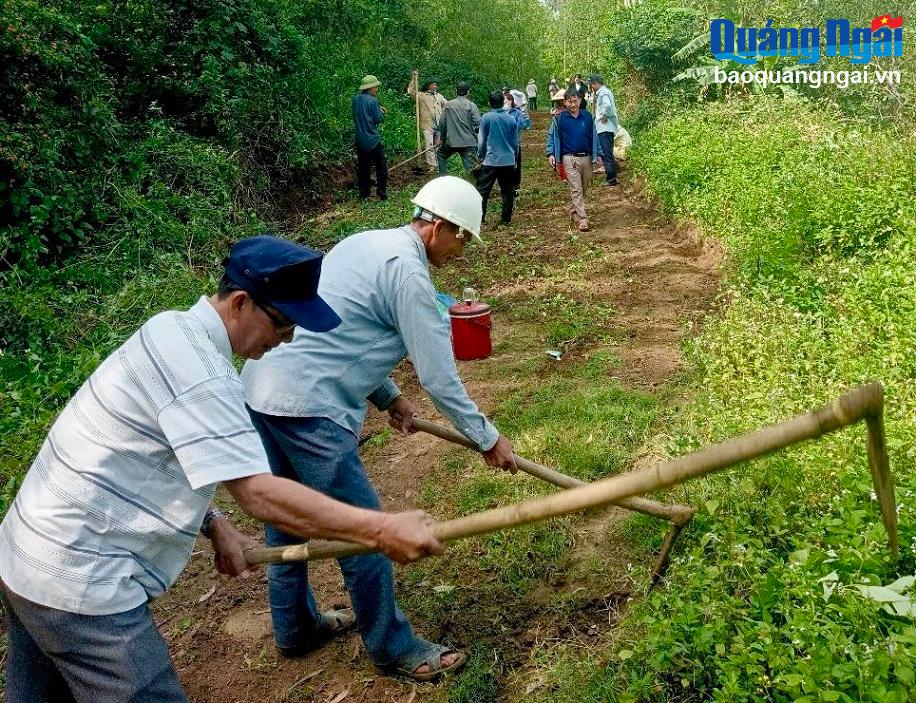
{"x":490,"y":145}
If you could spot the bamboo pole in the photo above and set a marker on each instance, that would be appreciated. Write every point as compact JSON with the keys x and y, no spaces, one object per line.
{"x":416,"y":107}
{"x":677,"y":514}
{"x":862,"y":403}
{"x":409,"y":159}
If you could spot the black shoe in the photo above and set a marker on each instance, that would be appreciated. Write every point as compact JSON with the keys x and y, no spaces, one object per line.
{"x":610,"y":183}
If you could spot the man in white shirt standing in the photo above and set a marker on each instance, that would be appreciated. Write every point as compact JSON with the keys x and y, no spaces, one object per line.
{"x":606,"y":126}
{"x":108,"y":514}
{"x":532,"y":90}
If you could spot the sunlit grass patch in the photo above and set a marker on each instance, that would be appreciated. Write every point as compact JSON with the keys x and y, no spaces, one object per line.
{"x":587,"y":429}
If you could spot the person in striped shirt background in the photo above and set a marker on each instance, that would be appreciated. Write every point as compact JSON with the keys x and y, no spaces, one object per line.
{"x":109,"y":511}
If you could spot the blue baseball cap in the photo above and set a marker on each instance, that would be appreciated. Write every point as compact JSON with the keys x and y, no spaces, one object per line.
{"x":285,"y":275}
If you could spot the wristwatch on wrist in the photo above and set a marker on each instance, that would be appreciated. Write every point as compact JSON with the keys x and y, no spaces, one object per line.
{"x":209,"y":517}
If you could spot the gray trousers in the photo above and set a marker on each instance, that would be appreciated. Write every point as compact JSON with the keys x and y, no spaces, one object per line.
{"x":468,"y":157}
{"x":60,"y":657}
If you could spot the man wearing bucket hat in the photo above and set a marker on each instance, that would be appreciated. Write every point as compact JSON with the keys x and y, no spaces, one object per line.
{"x":108,"y":514}
{"x":431,"y":102}
{"x":531,"y":90}
{"x":309,"y":398}
{"x":367,"y":116}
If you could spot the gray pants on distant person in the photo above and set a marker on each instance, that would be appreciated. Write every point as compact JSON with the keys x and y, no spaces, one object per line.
{"x":60,"y":657}
{"x":468,"y":157}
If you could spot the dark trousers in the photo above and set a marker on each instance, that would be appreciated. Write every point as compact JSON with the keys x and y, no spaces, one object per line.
{"x":606,"y":142}
{"x":533,"y":103}
{"x":365,"y":160}
{"x":60,"y":657}
{"x":505,"y":176}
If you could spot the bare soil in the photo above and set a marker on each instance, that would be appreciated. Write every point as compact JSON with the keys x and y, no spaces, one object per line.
{"x":659,"y":278}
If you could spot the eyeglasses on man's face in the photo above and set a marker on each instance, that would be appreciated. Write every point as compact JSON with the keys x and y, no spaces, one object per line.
{"x":281,"y":322}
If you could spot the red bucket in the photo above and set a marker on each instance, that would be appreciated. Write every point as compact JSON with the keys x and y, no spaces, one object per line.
{"x":471,"y":330}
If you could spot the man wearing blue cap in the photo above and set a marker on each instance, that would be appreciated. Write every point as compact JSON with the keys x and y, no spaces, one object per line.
{"x":108,"y":514}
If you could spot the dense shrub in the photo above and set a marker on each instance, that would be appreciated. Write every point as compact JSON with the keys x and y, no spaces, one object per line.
{"x":648,"y":35}
{"x":268,"y":82}
{"x":773,"y":597}
{"x":137,"y":140}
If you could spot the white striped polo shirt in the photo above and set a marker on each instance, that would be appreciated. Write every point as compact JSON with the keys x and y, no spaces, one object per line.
{"x":111,"y":507}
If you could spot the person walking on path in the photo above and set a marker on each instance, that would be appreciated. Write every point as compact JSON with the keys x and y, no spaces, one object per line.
{"x":579,"y":88}
{"x":456,"y":131}
{"x":606,"y":126}
{"x":367,"y":116}
{"x":532,"y":91}
{"x":431,"y":103}
{"x":552,"y":87}
{"x":496,"y":148}
{"x":571,"y":141}
{"x":309,"y":398}
{"x":107,"y":516}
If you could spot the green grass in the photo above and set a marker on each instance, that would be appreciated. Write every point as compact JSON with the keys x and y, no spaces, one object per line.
{"x":574,"y":421}
{"x":768,"y":598}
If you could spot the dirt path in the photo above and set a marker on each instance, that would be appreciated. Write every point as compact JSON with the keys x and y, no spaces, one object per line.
{"x":658,"y":280}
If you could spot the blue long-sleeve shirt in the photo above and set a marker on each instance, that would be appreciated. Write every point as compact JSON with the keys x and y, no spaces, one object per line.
{"x":523,"y":122}
{"x":554,"y":137}
{"x":378,"y":283}
{"x":367,"y":116}
{"x":497,"y":139}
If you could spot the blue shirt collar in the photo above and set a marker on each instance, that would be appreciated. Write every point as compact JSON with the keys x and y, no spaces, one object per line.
{"x":418,"y":242}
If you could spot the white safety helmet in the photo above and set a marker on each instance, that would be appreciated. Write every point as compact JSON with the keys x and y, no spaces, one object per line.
{"x":453,"y":199}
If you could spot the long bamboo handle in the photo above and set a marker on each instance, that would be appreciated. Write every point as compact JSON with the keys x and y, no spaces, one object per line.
{"x":678,"y":514}
{"x":417,"y":155}
{"x":864,"y":402}
{"x":416,"y":105}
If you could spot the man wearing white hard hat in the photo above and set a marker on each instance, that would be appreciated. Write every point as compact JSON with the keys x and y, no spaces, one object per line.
{"x":308,"y":400}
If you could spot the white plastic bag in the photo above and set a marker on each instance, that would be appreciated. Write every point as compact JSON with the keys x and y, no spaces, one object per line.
{"x":622,"y":142}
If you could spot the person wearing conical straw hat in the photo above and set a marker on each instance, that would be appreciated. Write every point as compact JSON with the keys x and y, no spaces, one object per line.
{"x":367,"y":116}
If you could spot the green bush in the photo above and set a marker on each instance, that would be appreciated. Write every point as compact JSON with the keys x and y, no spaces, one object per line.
{"x":647,"y":35}
{"x":774,"y":597}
